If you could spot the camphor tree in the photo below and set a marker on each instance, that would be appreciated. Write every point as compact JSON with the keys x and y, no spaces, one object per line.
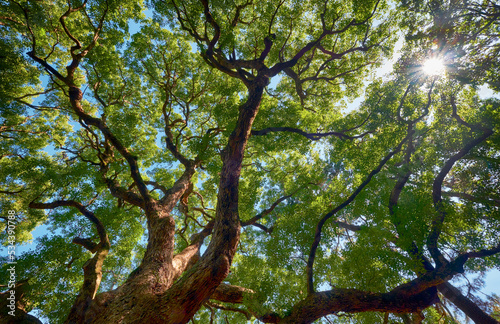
{"x":202,"y":166}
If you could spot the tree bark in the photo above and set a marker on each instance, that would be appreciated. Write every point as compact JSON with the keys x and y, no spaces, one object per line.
{"x":154,"y":293}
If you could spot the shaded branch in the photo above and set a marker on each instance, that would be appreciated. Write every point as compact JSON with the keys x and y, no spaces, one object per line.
{"x":191,"y":254}
{"x":49,"y":68}
{"x":62,"y":19}
{"x":320,"y":304}
{"x":92,"y":269}
{"x":124,"y":194}
{"x":156,"y":185}
{"x":437,"y":222}
{"x":347,"y":226}
{"x":410,"y":297}
{"x":465,"y":196}
{"x":229,"y":308}
{"x":86,"y":243}
{"x":82,"y":209}
{"x":425,"y":108}
{"x":311,"y":136}
{"x":474,"y":127}
{"x":321,"y":223}
{"x":231,"y":294}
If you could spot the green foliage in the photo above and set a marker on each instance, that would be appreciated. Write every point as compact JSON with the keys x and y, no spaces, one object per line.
{"x":156,"y":83}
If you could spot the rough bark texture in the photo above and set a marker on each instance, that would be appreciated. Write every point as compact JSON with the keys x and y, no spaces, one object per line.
{"x":350,"y":300}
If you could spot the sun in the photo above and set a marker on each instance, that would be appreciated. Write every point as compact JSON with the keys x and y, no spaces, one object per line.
{"x":434,"y":66}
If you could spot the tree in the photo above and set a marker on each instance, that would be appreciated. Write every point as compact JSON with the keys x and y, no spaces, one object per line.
{"x":205,"y":166}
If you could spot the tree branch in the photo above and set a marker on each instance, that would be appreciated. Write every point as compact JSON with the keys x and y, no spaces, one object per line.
{"x":92,"y":269}
{"x":267,"y":211}
{"x":228,"y":308}
{"x":466,"y":196}
{"x":311,"y":136}
{"x":466,"y":305}
{"x":191,"y":254}
{"x":437,"y":222}
{"x":320,"y":304}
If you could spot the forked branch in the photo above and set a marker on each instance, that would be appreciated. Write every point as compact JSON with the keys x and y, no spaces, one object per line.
{"x":326,"y":217}
{"x":92,"y":269}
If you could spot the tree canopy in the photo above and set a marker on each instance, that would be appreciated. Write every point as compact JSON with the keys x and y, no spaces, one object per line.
{"x":202,"y":161}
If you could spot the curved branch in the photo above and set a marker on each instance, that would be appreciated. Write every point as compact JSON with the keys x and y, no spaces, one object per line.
{"x":321,"y":223}
{"x":210,"y":19}
{"x":320,"y":304}
{"x":169,"y":139}
{"x":437,"y":222}
{"x":474,"y":127}
{"x":247,"y":314}
{"x":311,"y":136}
{"x":425,"y":108}
{"x":347,"y":226}
{"x":231,"y":294}
{"x":281,"y":66}
{"x":48,"y":67}
{"x":92,"y":269}
{"x":156,"y":185}
{"x":81,"y":208}
{"x":75,"y":97}
{"x":62,"y":19}
{"x":86,"y":243}
{"x":124,"y":194}
{"x":78,"y":57}
{"x":267,"y":211}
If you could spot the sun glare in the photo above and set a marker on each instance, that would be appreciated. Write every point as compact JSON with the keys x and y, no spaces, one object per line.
{"x":434,"y":66}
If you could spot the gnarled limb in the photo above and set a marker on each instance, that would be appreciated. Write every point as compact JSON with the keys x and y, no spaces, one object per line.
{"x":231,"y":294}
{"x":319,"y":304}
{"x":124,"y":194}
